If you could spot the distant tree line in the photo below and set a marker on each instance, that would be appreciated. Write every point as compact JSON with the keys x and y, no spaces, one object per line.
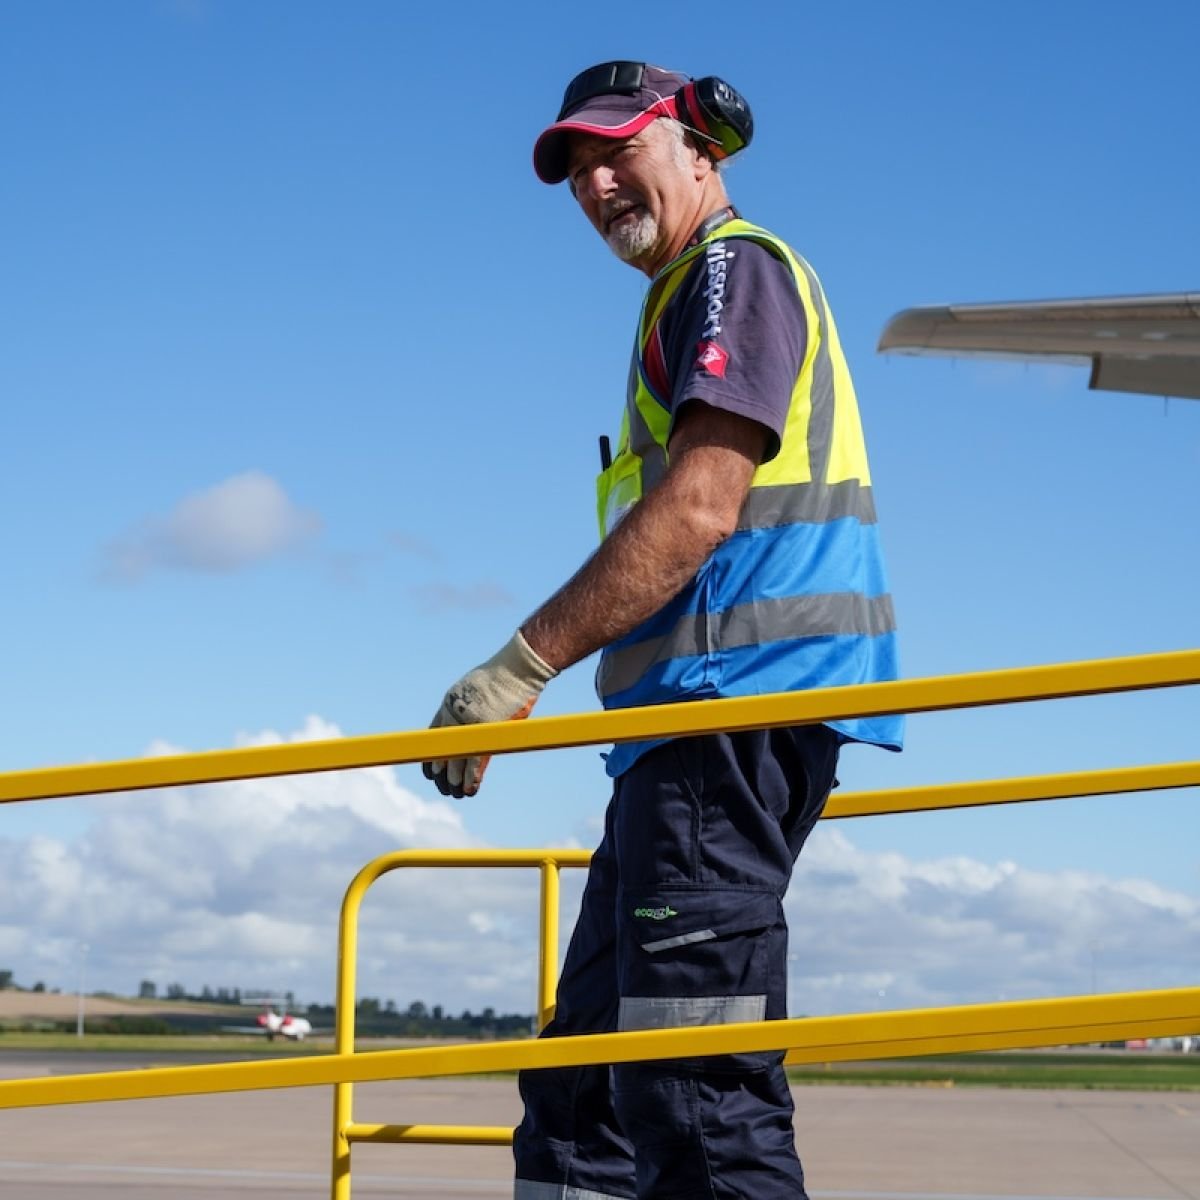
{"x":8,"y":982}
{"x":372,"y":1016}
{"x":148,"y":990}
{"x":383,"y":1018}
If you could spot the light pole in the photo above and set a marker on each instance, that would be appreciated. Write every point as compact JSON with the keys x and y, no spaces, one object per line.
{"x":83,"y":949}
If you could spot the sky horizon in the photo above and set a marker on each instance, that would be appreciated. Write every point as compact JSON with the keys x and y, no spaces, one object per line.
{"x":302,"y":379}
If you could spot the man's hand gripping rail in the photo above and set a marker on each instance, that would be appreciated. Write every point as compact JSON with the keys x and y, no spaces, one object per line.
{"x":505,"y":688}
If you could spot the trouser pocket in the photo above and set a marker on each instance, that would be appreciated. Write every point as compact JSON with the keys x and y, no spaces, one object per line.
{"x":719,"y":1125}
{"x":692,"y":956}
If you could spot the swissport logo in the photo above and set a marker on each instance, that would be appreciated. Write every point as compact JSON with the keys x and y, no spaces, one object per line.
{"x":712,"y":358}
{"x":717,"y":259}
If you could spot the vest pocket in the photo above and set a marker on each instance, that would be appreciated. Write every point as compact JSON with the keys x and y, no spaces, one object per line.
{"x":618,"y":489}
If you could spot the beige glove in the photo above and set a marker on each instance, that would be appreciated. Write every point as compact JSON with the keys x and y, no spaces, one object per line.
{"x":505,"y":688}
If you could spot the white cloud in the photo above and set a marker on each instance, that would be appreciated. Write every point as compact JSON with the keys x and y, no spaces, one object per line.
{"x":239,"y":885}
{"x":414,"y":546}
{"x":957,"y":930}
{"x":236,"y":523}
{"x":472,"y":597}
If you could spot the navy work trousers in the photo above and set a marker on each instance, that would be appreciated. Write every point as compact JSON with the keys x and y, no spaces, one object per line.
{"x":682,"y":924}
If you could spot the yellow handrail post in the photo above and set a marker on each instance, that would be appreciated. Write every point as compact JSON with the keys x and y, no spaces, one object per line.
{"x":344,"y":1013}
{"x":340,"y":1177}
{"x":548,"y":956}
{"x":346,"y":1131}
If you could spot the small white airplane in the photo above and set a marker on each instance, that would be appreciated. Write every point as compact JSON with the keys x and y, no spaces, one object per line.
{"x":285,"y":1025}
{"x":274,"y":1024}
{"x":1147,"y":344}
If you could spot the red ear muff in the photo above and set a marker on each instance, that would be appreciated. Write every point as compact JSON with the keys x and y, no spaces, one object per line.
{"x":689,"y":109}
{"x":710,"y":107}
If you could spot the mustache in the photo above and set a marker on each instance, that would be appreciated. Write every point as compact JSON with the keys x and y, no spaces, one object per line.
{"x":610,"y":210}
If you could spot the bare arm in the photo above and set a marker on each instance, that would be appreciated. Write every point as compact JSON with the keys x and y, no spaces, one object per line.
{"x":641,"y":565}
{"x":661,"y":542}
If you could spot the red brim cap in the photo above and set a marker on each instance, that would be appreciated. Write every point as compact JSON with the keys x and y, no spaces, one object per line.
{"x":605,"y":116}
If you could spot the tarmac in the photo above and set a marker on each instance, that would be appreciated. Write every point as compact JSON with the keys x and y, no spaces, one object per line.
{"x":857,"y":1143}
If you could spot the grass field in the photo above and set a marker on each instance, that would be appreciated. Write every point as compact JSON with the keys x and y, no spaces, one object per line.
{"x":250,"y":1045}
{"x":1130,"y":1071}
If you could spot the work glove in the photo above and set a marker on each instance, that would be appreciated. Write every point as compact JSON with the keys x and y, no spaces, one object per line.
{"x":505,"y":688}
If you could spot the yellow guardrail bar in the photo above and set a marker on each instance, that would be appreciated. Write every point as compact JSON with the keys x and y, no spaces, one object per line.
{"x":1014,"y":790}
{"x":1009,"y":1025}
{"x":1013,"y":1024}
{"x":1051,"y":682}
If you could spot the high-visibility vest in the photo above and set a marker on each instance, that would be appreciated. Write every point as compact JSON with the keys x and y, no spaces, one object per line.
{"x":796,"y":597}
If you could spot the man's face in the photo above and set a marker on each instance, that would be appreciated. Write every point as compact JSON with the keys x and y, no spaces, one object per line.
{"x":637,"y":192}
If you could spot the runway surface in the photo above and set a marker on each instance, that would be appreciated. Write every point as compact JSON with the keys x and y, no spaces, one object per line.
{"x":857,"y":1143}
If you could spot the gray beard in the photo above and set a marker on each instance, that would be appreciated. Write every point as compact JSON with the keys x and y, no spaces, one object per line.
{"x":632,"y":239}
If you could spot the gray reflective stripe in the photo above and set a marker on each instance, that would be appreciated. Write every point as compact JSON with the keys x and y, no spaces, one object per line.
{"x":621,"y":669}
{"x":820,"y":420}
{"x":683,"y":939}
{"x":641,"y":440}
{"x":530,"y":1189}
{"x":748,"y":625}
{"x":654,"y":463}
{"x":810,"y":503}
{"x":675,"y":1012}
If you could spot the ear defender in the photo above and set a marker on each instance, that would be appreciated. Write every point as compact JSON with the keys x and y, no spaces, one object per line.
{"x":712,"y":108}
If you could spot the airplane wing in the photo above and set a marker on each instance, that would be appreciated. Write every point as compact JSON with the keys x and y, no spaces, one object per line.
{"x":1148,"y":344}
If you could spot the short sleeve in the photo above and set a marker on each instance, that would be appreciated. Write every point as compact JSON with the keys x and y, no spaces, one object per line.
{"x":735,"y":335}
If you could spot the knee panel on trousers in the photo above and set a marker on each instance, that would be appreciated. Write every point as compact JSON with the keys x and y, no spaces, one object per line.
{"x":709,"y":1136}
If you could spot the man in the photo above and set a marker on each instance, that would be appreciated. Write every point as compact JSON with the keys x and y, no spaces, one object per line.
{"x":739,"y":556}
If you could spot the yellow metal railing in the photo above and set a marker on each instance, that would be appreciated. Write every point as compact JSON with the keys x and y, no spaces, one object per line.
{"x":1010,"y":1025}
{"x":346,"y":1131}
{"x":1013,"y":1024}
{"x":1052,"y":682}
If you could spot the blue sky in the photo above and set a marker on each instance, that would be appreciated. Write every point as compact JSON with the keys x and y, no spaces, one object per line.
{"x":303,"y":370}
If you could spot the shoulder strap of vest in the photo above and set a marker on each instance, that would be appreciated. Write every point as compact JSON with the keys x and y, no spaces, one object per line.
{"x":743,"y":229}
{"x":803,"y":275}
{"x":667,"y":281}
